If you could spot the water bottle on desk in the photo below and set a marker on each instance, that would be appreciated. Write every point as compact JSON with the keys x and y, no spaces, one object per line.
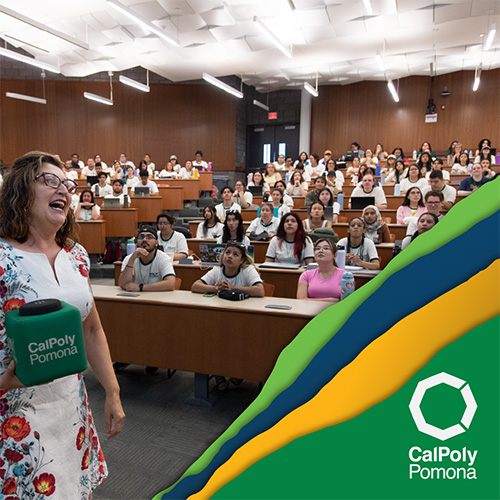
{"x":377,"y":169}
{"x":397,"y":189}
{"x":209,"y":166}
{"x":340,"y":200}
{"x":346,"y":285}
{"x":414,"y":154}
{"x":340,"y":259}
{"x":382,"y":178}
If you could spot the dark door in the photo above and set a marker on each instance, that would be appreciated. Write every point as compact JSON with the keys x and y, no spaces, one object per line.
{"x":266,"y":142}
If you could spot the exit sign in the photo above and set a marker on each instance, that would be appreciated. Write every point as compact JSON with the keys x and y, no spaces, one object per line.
{"x":273,"y":115}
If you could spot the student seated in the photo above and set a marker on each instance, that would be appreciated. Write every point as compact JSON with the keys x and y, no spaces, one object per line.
{"x":279,"y":207}
{"x":271,"y":176}
{"x":212,"y":227}
{"x":234,"y":230}
{"x":297,"y":185}
{"x":258,"y":180}
{"x":145,"y":182}
{"x":187,"y":172}
{"x":228,"y":204}
{"x":266,"y":223}
{"x":360,"y":251}
{"x":369,"y":189}
{"x":102,"y":188}
{"x":425,"y":222}
{"x":322,"y":283}
{"x":437,"y":184}
{"x":291,"y":245}
{"x":462,"y":167}
{"x":118,"y":192}
{"x":413,"y":206}
{"x":241,"y":196}
{"x":437,"y":164}
{"x":414,"y":179}
{"x":316,"y":218}
{"x":287,"y":200}
{"x":397,"y":174}
{"x":168,"y":172}
{"x":433,"y":204}
{"x":376,"y":229}
{"x":174,"y":243}
{"x":325,"y":196}
{"x":87,"y":208}
{"x":469,"y":185}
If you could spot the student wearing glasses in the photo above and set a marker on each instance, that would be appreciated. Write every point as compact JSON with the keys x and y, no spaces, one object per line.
{"x":359,"y":251}
{"x":147,"y":269}
{"x":322,"y":283}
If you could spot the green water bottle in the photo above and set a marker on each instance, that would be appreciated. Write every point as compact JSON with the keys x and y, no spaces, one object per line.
{"x":46,"y":341}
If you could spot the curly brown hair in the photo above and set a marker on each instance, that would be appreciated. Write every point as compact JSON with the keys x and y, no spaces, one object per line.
{"x":17,"y":196}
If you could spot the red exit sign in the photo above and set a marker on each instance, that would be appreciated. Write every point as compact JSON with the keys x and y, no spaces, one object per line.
{"x":273,"y":115}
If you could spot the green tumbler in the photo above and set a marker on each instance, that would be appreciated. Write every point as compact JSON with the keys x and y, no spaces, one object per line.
{"x":46,"y":341}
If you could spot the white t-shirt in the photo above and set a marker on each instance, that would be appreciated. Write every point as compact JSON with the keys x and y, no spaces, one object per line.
{"x":184,"y":174}
{"x":377,"y":192}
{"x":248,"y":276}
{"x":406,"y":184}
{"x":87,"y":172}
{"x":367,"y":251}
{"x":153,"y":188}
{"x":121,"y":197}
{"x":221,"y":211}
{"x":449,"y":193}
{"x":257,"y":226}
{"x":456,"y":169}
{"x":165,"y":174}
{"x":86,"y":213}
{"x":71,"y":174}
{"x":247,"y":195}
{"x":285,"y":253}
{"x":413,"y":225}
{"x":212,"y":232}
{"x":446,"y":174}
{"x":157,"y":270}
{"x":175,"y":244}
{"x":131,"y":181}
{"x":103,"y":191}
{"x":202,"y":165}
{"x":295,"y":191}
{"x":245,"y":241}
{"x":317,"y":170}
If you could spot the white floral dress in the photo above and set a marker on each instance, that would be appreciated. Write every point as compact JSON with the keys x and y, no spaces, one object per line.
{"x":48,"y":443}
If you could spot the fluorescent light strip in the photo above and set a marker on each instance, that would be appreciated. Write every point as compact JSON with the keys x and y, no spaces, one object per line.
{"x":98,"y":98}
{"x":310,"y":89}
{"x":477,"y":78}
{"x":392,"y":89}
{"x":260,"y":105}
{"x":368,"y":7}
{"x":43,"y":27}
{"x":28,"y":60}
{"x":224,"y":86}
{"x":272,"y":37}
{"x":380,"y":61}
{"x":142,"y":22}
{"x":491,"y":35}
{"x":133,"y":83}
{"x":26,"y":97}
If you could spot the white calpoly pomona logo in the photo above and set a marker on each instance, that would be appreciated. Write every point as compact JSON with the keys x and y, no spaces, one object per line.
{"x":454,"y":430}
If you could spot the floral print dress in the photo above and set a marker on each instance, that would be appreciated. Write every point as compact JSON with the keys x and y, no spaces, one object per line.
{"x":48,"y":443}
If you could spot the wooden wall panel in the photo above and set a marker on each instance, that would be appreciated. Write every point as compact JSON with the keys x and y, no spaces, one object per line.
{"x":171,"y":119}
{"x":365,"y":112}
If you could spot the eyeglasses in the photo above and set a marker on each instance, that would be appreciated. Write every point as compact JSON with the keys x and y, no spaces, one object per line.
{"x":324,"y":248}
{"x":147,"y":237}
{"x":432,"y":202}
{"x":54,"y":181}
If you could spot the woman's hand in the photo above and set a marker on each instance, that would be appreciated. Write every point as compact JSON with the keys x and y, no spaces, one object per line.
{"x":114,"y":415}
{"x":9,"y":380}
{"x":222,"y":285}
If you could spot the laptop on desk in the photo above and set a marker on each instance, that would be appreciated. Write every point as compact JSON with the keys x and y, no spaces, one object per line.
{"x":141,"y":191}
{"x":91,"y":180}
{"x":360,"y":202}
{"x":111,"y":203}
{"x":255,"y":190}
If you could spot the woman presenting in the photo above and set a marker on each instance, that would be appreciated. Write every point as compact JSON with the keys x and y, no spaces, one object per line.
{"x":51,"y":423}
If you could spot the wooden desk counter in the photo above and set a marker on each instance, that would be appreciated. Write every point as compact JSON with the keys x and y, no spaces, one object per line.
{"x":120,"y":222}
{"x":186,"y":331}
{"x":191,"y":187}
{"x":92,"y":235}
{"x":206,"y":181}
{"x":172,"y":197}
{"x":148,"y":207}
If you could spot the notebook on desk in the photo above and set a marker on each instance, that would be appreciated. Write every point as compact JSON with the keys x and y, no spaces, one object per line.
{"x":278,"y":265}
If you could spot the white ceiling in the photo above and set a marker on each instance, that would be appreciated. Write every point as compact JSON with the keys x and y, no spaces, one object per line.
{"x":335,"y":38}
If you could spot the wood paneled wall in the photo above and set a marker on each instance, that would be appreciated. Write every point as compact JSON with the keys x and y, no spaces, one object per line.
{"x":365,"y":112}
{"x":171,"y":119}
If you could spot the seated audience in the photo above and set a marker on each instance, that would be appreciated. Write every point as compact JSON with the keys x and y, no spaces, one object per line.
{"x":98,"y":159}
{"x":266,"y":223}
{"x":413,"y":206}
{"x":124,"y":161}
{"x":187,"y":171}
{"x":228,"y":204}
{"x":334,"y":176}
{"x":233,"y":230}
{"x":325,"y":196}
{"x":399,"y":173}
{"x":359,"y":251}
{"x":297,"y":185}
{"x":212,"y":227}
{"x":437,"y":184}
{"x":117,"y":171}
{"x":322,"y":283}
{"x":315,"y":168}
{"x":175,"y":165}
{"x":485,"y":154}
{"x":291,"y":245}
{"x":271,"y":176}
{"x":168,"y":172}
{"x":487,"y":170}
{"x":287,"y":200}
{"x":433,"y":204}
{"x":150,"y":165}
{"x":375,"y":229}
{"x":426,"y":148}
{"x":173,"y":242}
{"x":327,"y":156}
{"x":87,"y":208}
{"x":118,"y":192}
{"x":399,"y":153}
{"x":379,"y":152}
{"x":353,"y":170}
{"x":199,"y":163}
{"x":437,"y":164}
{"x":356,"y":151}
{"x":75,"y":161}
{"x":145,"y":182}
{"x":469,"y":185}
{"x":241,"y":196}
{"x":316,"y":218}
{"x":389,"y":167}
{"x":258,"y":180}
{"x":425,"y":222}
{"x":130,"y":178}
{"x":89,"y":170}
{"x":414,"y":179}
{"x":312,"y":196}
{"x":303,"y":159}
{"x":482,"y":142}
{"x":102,"y":188}
{"x":280,"y":162}
{"x":454,"y":156}
{"x":279,"y":207}
{"x":368,"y":159}
{"x":368,"y":188}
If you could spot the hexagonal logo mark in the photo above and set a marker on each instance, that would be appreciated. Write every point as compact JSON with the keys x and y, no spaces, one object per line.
{"x":454,"y":430}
